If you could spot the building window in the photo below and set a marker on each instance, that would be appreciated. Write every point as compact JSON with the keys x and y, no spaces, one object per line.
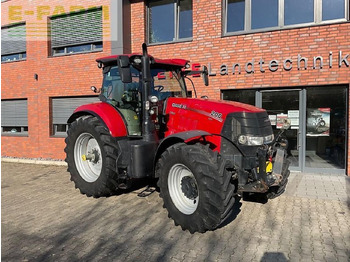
{"x":243,"y":16}
{"x":246,"y":96}
{"x":332,"y":9}
{"x":14,"y":117}
{"x":63,"y":108}
{"x":169,"y":20}
{"x":298,"y":12}
{"x":264,"y":13}
{"x":77,"y":32}
{"x":13,"y":41}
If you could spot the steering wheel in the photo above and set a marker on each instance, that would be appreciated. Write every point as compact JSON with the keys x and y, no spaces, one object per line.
{"x":160,"y":88}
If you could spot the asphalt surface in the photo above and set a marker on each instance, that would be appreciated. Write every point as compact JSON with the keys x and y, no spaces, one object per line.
{"x":44,"y":218}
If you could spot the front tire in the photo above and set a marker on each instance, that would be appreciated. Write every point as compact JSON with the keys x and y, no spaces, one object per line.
{"x":91,"y":157}
{"x":195,"y":186}
{"x":276,"y":191}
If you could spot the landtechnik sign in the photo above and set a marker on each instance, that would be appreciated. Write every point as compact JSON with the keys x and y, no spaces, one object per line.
{"x":260,"y":65}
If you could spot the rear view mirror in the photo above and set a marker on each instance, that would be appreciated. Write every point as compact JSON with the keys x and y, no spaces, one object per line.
{"x":205,"y":75}
{"x":124,"y":69}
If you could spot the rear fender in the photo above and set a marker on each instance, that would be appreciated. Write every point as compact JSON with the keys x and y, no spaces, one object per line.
{"x":110,"y":116}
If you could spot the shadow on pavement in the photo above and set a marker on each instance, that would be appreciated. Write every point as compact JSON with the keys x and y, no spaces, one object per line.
{"x":273,"y":256}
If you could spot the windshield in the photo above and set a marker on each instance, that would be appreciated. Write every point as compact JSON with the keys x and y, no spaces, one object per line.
{"x":128,"y":95}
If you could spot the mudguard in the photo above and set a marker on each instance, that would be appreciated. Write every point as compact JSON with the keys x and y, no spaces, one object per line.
{"x":178,"y":138}
{"x":107,"y":114}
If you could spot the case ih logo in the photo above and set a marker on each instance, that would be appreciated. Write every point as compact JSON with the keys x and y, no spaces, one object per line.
{"x":181,"y":106}
{"x":260,"y":65}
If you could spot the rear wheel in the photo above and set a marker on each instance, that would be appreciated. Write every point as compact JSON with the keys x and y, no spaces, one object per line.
{"x":91,"y":156}
{"x":195,"y":186}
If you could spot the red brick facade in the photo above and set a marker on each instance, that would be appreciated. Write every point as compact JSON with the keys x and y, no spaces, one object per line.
{"x":70,"y":75}
{"x":210,"y":46}
{"x":73,"y":75}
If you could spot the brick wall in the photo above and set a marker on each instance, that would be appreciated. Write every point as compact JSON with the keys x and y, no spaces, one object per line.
{"x":209,"y":46}
{"x":73,"y":75}
{"x":70,"y":75}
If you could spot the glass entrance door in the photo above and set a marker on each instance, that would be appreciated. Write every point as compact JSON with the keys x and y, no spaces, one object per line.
{"x":281,"y":104}
{"x":317,"y":139}
{"x":326,"y":129}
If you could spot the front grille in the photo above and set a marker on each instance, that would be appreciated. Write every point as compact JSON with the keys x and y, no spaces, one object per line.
{"x":244,"y":123}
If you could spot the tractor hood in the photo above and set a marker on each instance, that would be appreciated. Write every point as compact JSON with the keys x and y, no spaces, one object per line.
{"x":202,"y":114}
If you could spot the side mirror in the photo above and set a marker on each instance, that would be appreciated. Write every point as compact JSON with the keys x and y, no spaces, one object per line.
{"x":95,"y":90}
{"x":124,"y":69}
{"x":205,"y":75}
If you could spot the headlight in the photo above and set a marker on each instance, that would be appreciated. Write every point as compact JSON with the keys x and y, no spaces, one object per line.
{"x":268,"y":139}
{"x":255,"y":140}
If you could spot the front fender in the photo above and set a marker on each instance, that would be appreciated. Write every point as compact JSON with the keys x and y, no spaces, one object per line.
{"x":178,"y":138}
{"x":106,"y":113}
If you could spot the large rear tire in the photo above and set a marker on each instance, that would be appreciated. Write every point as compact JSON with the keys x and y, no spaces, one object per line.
{"x":195,"y":186}
{"x":91,"y":157}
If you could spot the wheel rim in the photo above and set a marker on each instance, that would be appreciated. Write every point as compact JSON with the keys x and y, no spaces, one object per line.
{"x":183,"y":189}
{"x":88,"y":157}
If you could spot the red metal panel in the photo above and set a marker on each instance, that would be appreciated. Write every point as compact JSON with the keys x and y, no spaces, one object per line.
{"x":170,"y":62}
{"x":186,"y":114}
{"x":109,"y":115}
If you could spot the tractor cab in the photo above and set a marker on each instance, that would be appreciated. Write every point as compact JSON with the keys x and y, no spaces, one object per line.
{"x":166,"y":80}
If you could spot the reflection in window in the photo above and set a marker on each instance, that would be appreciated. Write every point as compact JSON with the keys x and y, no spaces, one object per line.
{"x":242,"y":96}
{"x":185,"y":19}
{"x":264,"y":13}
{"x":257,"y":15}
{"x":169,"y":20}
{"x":77,"y":49}
{"x":298,"y":11}
{"x":235,"y":15}
{"x":326,"y":127}
{"x":13,"y":57}
{"x":161,"y":21}
{"x":333,"y":9}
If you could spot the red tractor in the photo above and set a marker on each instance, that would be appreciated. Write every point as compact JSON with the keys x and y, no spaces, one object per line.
{"x":204,"y":153}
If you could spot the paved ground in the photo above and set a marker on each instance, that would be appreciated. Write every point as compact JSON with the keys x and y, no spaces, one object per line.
{"x":45,"y":219}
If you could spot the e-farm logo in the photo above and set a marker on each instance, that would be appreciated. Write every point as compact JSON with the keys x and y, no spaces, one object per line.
{"x":36,"y":17}
{"x":17,"y":13}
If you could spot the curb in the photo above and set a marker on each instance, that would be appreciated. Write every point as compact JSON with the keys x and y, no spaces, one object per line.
{"x":33,"y":161}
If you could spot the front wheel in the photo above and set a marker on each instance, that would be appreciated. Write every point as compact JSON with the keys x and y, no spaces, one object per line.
{"x":195,"y":186}
{"x":91,"y":157}
{"x":276,"y":191}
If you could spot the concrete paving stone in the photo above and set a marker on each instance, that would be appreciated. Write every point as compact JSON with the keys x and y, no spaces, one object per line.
{"x":45,"y":219}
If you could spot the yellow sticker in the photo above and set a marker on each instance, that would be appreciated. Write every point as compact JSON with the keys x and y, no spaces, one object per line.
{"x":83,"y":157}
{"x":268,"y":167}
{"x":135,"y":117}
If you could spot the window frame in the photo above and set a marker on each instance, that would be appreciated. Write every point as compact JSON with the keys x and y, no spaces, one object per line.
{"x":176,"y":38}
{"x":54,"y":133}
{"x":93,"y":48}
{"x":247,"y":18}
{"x":23,"y":128}
{"x":21,"y":58}
{"x":21,"y":53}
